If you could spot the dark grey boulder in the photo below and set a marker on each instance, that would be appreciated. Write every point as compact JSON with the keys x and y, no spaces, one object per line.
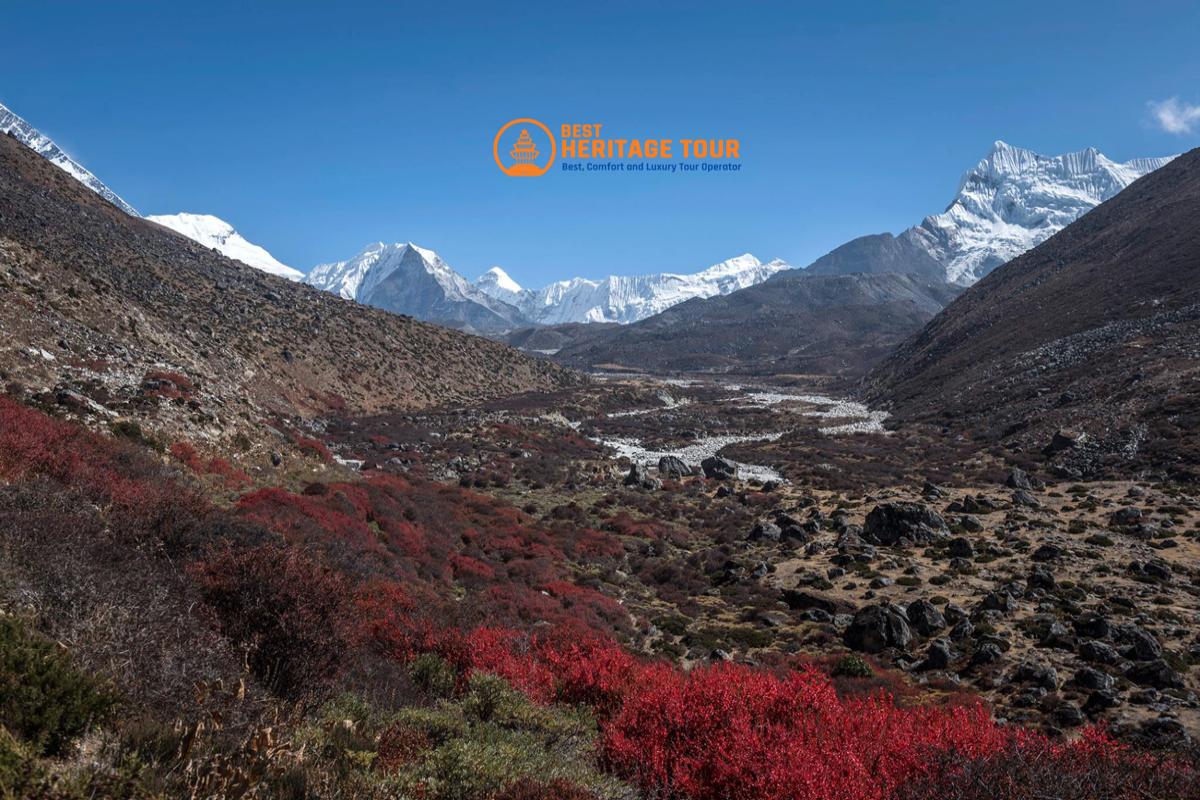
{"x":904,"y":523}
{"x":925,"y":617}
{"x":717,"y":468}
{"x":878,"y":627}
{"x":674,"y":468}
{"x":640,"y":478}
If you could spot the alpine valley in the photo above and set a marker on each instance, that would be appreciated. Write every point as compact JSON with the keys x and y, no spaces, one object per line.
{"x":917,"y":521}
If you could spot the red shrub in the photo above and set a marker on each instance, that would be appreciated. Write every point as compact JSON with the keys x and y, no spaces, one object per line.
{"x":113,"y":473}
{"x":313,"y":447}
{"x":732,"y":732}
{"x":288,"y":612}
{"x":1093,"y":769}
{"x":186,"y":454}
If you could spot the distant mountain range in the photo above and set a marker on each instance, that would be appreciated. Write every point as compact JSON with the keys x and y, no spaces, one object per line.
{"x":407,"y":279}
{"x":793,"y":323}
{"x":1010,"y":201}
{"x":625,"y":298}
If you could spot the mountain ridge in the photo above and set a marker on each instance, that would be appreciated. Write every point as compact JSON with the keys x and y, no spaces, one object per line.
{"x":14,"y":125}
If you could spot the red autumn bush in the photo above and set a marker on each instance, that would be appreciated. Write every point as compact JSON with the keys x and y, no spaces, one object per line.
{"x":133,"y":487}
{"x":288,"y":611}
{"x":440,"y":540}
{"x":314,"y":447}
{"x":728,"y":731}
{"x":233,"y":478}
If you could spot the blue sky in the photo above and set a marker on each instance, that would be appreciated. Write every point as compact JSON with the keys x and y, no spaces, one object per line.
{"x":316,"y":128}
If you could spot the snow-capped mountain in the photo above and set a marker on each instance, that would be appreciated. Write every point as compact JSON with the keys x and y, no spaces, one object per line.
{"x":407,"y":279}
{"x":1015,"y":199}
{"x":497,"y":283}
{"x":41,"y":144}
{"x":625,"y":298}
{"x":214,"y":232}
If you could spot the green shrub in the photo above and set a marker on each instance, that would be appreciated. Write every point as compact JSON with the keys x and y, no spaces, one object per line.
{"x":19,"y":770}
{"x":43,"y":698}
{"x":486,"y":695}
{"x":433,"y":674}
{"x":853,"y":666}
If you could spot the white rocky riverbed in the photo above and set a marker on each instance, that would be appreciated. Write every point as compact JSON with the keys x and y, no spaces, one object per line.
{"x":845,"y":416}
{"x":696,"y":452}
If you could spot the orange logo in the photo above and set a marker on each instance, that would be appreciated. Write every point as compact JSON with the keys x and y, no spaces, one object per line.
{"x":527,"y":153}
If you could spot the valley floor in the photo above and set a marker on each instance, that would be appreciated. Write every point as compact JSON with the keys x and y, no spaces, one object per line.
{"x":587,"y":594}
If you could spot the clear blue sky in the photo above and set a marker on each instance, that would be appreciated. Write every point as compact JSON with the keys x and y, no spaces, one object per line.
{"x":316,"y":128}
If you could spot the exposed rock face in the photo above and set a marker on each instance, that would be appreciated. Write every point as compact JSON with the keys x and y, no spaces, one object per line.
{"x":904,"y":523}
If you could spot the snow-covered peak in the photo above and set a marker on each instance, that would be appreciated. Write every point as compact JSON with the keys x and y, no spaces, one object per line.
{"x":1014,"y":199}
{"x":215,"y":232}
{"x":41,"y":144}
{"x":497,"y":280}
{"x":359,"y":276}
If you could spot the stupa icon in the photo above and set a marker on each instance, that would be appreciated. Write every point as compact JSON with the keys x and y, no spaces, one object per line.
{"x":524,"y":151}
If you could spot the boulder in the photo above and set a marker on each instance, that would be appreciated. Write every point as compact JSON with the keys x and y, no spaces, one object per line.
{"x":674,"y":468}
{"x":1064,"y":439}
{"x":925,"y":617}
{"x":1018,"y":479}
{"x":877,"y":627}
{"x":904,"y":523}
{"x":720,"y":469}
{"x":764,"y":532}
{"x":639,"y":477}
{"x":1157,"y":673}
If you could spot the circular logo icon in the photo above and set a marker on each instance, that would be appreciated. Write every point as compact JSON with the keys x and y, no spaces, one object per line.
{"x":524,"y":148}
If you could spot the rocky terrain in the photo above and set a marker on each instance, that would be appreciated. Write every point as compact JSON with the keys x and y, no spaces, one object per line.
{"x":1062,"y":603}
{"x":1084,"y":348}
{"x":114,"y":317}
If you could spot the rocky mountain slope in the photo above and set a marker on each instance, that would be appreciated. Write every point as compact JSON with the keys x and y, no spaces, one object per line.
{"x":116,"y":316}
{"x":625,"y":298}
{"x":41,"y":144}
{"x":407,"y":279}
{"x":879,"y":253}
{"x":1095,"y":330}
{"x":793,"y":323}
{"x":218,"y":234}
